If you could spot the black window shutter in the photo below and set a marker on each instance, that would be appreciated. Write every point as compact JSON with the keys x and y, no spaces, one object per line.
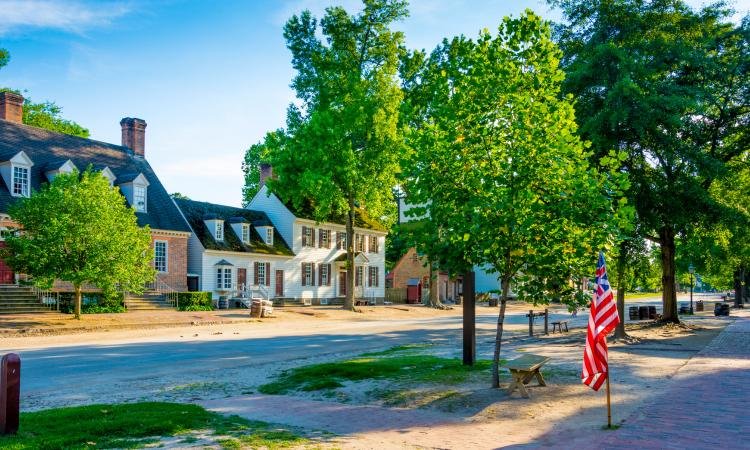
{"x":255,"y":273}
{"x":268,"y":274}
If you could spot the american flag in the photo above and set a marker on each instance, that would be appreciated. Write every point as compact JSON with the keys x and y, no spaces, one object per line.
{"x":602,"y":319}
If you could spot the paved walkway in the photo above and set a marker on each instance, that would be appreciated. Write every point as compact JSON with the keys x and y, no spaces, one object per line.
{"x":703,"y":407}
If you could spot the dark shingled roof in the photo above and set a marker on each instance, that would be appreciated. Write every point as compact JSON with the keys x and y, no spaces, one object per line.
{"x":196,"y":212}
{"x":361,"y":218}
{"x":48,"y":148}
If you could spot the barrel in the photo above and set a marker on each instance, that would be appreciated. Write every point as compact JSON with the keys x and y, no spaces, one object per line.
{"x":633,"y":313}
{"x":643,"y":312}
{"x":699,"y":305}
{"x":223,"y":303}
{"x":652,"y":312}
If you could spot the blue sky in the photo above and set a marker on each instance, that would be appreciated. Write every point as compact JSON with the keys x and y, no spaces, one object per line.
{"x":209,"y":77}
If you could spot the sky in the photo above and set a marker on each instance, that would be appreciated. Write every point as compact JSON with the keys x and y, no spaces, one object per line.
{"x":210,"y":78}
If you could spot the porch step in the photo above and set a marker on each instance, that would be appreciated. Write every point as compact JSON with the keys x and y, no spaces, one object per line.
{"x":20,"y":299}
{"x":147,"y":303}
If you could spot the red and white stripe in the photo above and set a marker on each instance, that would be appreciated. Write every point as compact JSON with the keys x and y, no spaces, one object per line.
{"x":603,"y":318}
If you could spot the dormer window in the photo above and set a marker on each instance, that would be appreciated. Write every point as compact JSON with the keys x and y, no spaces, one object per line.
{"x":135,"y":189}
{"x":16,"y":172}
{"x":219,"y":231}
{"x":20,"y":181}
{"x":109,"y":175}
{"x":245,"y":233}
{"x":269,"y":236}
{"x":139,"y":198}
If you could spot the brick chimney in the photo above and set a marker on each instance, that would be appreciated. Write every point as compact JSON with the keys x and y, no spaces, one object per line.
{"x":266,"y":171}
{"x":134,"y":135}
{"x":11,"y":107}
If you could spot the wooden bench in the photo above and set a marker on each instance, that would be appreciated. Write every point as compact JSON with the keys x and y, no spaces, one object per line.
{"x":559,"y":324}
{"x":523,"y":369}
{"x":361,"y":303}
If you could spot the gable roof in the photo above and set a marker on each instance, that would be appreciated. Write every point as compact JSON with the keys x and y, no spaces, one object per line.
{"x":47,"y":148}
{"x":197,"y":212}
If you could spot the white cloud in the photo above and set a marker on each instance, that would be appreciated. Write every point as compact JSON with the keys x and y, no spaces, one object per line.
{"x":71,"y":16}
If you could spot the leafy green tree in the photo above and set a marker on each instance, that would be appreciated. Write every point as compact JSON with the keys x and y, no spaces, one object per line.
{"x":254,"y":157}
{"x":4,"y":57}
{"x":79,"y":229}
{"x":499,"y":170}
{"x":667,"y":86}
{"x":48,"y":115}
{"x":342,"y":141}
{"x":179,"y":196}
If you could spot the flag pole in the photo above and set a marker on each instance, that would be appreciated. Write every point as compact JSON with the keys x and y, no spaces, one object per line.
{"x":609,"y":406}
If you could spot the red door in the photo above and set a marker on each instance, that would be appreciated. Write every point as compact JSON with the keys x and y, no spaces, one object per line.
{"x":279,"y":283}
{"x":6,"y":273}
{"x":342,"y":284}
{"x":241,"y":278}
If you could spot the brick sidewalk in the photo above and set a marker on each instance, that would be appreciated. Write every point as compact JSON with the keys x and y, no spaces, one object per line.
{"x":705,"y":405}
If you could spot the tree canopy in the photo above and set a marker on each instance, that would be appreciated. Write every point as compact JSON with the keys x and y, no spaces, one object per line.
{"x":667,"y":86}
{"x":342,"y":141}
{"x":499,"y":171}
{"x":79,"y":229}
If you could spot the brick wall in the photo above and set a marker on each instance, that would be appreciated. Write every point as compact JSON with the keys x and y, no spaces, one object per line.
{"x":409,"y":266}
{"x":176,"y":275}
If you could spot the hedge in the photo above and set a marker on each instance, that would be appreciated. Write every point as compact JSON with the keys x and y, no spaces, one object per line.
{"x":195,"y":301}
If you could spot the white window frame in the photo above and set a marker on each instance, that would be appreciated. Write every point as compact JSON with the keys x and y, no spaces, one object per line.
{"x":137,"y":189}
{"x":269,"y":235}
{"x":219,"y":231}
{"x":261,"y":274}
{"x":324,"y":275}
{"x":24,"y":188}
{"x":359,"y":276}
{"x":307,"y":274}
{"x":373,"y":274}
{"x":245,"y":233}
{"x":223,"y":277}
{"x":165,"y":256}
{"x":341,"y":244}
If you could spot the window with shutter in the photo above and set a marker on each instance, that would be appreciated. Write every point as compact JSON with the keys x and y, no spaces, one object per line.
{"x":261,"y":274}
{"x":358,"y":275}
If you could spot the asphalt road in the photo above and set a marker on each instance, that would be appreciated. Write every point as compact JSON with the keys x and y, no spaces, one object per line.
{"x":140,"y":368}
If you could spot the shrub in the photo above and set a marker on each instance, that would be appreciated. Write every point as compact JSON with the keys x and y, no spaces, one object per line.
{"x":195,"y":301}
{"x":94,"y":302}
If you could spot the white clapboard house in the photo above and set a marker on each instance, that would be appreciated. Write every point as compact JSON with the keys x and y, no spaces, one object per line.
{"x":268,"y":251}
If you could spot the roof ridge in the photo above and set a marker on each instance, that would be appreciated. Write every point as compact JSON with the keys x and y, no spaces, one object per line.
{"x":69,"y":136}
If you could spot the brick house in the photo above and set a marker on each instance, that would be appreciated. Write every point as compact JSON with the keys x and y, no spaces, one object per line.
{"x":412,"y":270}
{"x":31,"y":156}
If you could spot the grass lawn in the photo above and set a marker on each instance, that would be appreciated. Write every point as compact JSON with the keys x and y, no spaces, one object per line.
{"x":402,"y":363}
{"x":637,"y":295}
{"x":135,"y":425}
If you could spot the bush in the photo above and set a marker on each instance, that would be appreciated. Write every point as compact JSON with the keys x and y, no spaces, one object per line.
{"x":94,"y":302}
{"x":195,"y":301}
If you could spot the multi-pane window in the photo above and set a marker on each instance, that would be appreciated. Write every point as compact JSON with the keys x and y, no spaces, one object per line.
{"x":325,"y":274}
{"x":160,"y":256}
{"x":269,"y":236}
{"x":139,"y":198}
{"x":373,"y":244}
{"x":359,"y":243}
{"x":308,"y":274}
{"x":219,"y":231}
{"x":224,"y":278}
{"x":324,"y":240}
{"x":358,"y":275}
{"x":261,"y":274}
{"x":21,"y":181}
{"x":308,"y":237}
{"x":373,"y":278}
{"x":341,"y":240}
{"x":245,"y":233}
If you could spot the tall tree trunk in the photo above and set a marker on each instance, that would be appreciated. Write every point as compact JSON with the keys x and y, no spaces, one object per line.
{"x":77,"y":305}
{"x":434,"y":297}
{"x":669,"y":295}
{"x":499,"y":335}
{"x":738,"y":276}
{"x":621,"y":261}
{"x":349,"y":299}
